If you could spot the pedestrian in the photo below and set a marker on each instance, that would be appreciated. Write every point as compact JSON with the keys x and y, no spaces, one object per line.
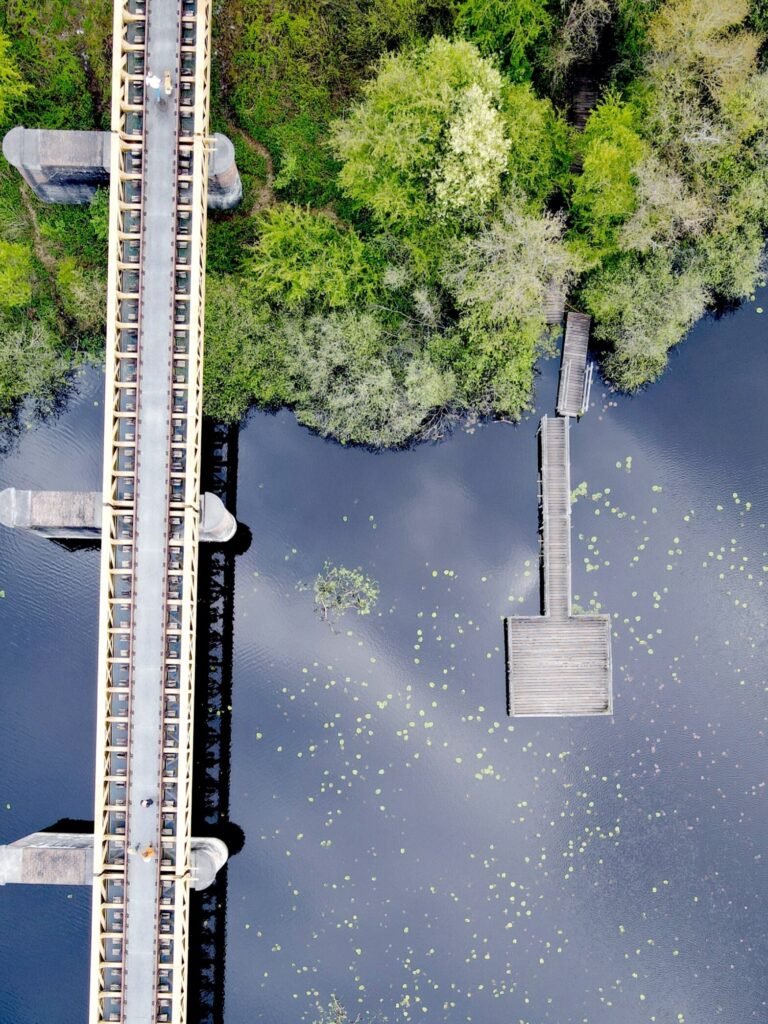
{"x":167,"y":85}
{"x":149,"y":853}
{"x":147,"y":801}
{"x":153,"y":83}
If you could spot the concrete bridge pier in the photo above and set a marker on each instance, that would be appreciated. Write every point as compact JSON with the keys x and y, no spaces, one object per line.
{"x":66,"y":858}
{"x":77,"y":515}
{"x":68,"y":166}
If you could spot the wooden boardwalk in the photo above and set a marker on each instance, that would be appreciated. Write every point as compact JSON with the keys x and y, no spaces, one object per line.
{"x":557,"y":663}
{"x":554,"y":304}
{"x":575,"y":375}
{"x":555,"y":504}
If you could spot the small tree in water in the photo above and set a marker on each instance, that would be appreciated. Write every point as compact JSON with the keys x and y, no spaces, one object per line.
{"x":337,"y":589}
{"x":336,"y":1014}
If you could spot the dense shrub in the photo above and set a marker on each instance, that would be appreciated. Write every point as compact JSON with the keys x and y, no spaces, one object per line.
{"x":302,"y":256}
{"x":406,"y":136}
{"x":244,"y":360}
{"x":605,"y":192}
{"x":643,"y":308}
{"x":682,"y":211}
{"x":30,"y":364}
{"x":511,"y":29}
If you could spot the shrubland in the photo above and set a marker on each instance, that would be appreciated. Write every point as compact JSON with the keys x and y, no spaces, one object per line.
{"x":671,"y":207}
{"x":413,"y":193}
{"x":53,"y":73}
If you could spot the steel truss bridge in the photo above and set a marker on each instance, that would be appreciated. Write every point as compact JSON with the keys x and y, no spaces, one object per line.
{"x":151,"y":486}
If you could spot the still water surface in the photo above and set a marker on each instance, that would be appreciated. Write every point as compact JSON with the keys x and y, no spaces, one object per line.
{"x":405,"y":846}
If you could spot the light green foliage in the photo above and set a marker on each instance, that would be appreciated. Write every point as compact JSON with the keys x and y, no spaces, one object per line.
{"x":468,"y":176}
{"x":643,"y":308}
{"x":15,"y":274}
{"x":30,"y":365}
{"x":338,"y":589}
{"x":344,"y":384}
{"x":393,"y":143}
{"x":288,"y":66}
{"x":604,"y":195}
{"x":500,"y":277}
{"x":83,"y":295}
{"x":13,"y":88}
{"x":510,"y":28}
{"x":540,"y":142}
{"x":244,"y":360}
{"x":302,"y":255}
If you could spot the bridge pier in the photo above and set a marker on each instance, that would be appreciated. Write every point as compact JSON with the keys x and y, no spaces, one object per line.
{"x":77,"y":515}
{"x":66,"y":858}
{"x":68,"y":166}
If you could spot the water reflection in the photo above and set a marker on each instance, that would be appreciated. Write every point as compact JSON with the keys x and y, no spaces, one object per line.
{"x":409,"y":848}
{"x":213,"y":729}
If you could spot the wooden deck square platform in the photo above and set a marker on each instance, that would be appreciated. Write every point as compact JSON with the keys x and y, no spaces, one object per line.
{"x":559,"y":666}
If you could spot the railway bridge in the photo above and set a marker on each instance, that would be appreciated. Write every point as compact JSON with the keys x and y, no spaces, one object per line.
{"x":142,"y":859}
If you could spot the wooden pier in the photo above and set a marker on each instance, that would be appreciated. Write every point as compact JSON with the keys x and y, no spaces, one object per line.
{"x":575,"y":376}
{"x":557,"y":663}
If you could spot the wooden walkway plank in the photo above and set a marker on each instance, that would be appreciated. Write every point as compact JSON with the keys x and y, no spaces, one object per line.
{"x":575,"y":378}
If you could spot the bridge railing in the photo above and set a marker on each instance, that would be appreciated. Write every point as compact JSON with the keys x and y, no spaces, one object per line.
{"x":119,"y":489}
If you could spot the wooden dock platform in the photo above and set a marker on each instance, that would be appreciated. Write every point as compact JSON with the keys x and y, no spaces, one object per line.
{"x":575,"y":376}
{"x":559,"y":666}
{"x":557,"y":663}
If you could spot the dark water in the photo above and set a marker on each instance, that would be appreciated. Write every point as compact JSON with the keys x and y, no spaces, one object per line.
{"x":406,"y":846}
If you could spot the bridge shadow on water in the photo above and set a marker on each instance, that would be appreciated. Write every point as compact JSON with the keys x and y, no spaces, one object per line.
{"x":213,"y":728}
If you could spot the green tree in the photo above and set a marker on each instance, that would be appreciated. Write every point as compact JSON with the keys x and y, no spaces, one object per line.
{"x":540,"y":152}
{"x":244,"y":360}
{"x":604,"y":195}
{"x":393,"y":142}
{"x":354,"y":377}
{"x":642,"y":307}
{"x":501,"y":276}
{"x":510,"y":28}
{"x":302,"y":255}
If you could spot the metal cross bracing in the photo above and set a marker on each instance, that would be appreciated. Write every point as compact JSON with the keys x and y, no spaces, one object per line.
{"x":142,"y":856}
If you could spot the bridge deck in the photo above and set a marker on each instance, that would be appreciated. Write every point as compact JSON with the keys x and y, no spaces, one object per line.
{"x":575,"y":376}
{"x":143,"y":824}
{"x":558,"y":663}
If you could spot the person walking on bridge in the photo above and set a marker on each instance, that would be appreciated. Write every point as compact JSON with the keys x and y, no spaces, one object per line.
{"x":153,"y":83}
{"x":167,"y":85}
